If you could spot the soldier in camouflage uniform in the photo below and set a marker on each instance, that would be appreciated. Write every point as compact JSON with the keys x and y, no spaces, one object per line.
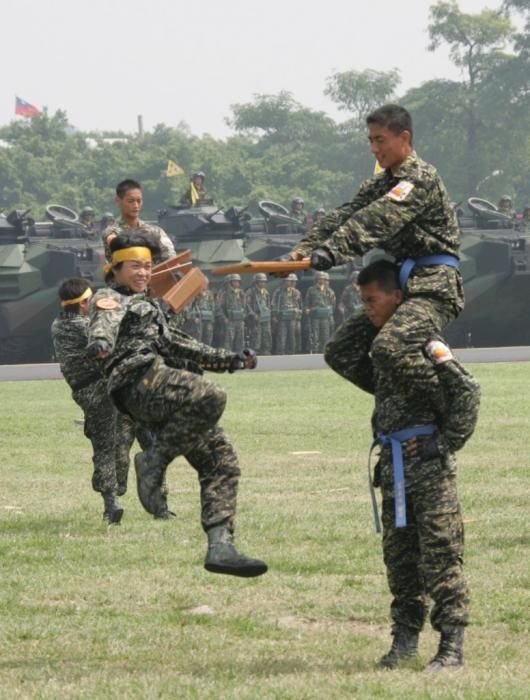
{"x":129,"y":198}
{"x":319,"y":305}
{"x":196,"y":195}
{"x":192,"y":324}
{"x":405,"y":210}
{"x":287,"y":316}
{"x":154,"y":375}
{"x":231,"y":307}
{"x":206,"y":304}
{"x":350,"y":300}
{"x":423,"y":552}
{"x":110,"y":433}
{"x":259,"y":315}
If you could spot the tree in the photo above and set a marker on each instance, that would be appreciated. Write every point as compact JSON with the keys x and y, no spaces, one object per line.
{"x":360,"y":92}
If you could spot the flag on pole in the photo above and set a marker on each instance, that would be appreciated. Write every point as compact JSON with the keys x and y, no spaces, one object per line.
{"x":173,"y":169}
{"x":194,"y":194}
{"x":25,"y":109}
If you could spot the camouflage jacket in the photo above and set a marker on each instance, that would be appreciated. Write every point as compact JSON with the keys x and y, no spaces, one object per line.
{"x":206,"y":303}
{"x":231,"y":304}
{"x":151,"y":232}
{"x":350,"y":300}
{"x":320,"y":297}
{"x":286,"y":299}
{"x":134,"y":329}
{"x":70,"y":338}
{"x":258,"y":302}
{"x":408,"y":215}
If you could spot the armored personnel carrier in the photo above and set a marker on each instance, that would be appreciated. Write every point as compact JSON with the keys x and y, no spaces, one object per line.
{"x":34,"y":258}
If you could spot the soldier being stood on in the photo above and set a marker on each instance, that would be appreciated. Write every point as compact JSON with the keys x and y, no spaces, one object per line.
{"x":287,"y":316}
{"x":231,"y":306}
{"x":154,"y":374}
{"x":423,"y":536}
{"x":259,"y":315}
{"x":319,"y":306}
{"x":130,"y":199}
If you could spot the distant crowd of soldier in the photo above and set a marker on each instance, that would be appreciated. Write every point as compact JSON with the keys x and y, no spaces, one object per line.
{"x":282,"y":321}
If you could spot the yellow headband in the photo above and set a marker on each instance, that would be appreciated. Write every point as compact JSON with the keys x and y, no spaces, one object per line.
{"x":85,"y":295}
{"x":124,"y":254}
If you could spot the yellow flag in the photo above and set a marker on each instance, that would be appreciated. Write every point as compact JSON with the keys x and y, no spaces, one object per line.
{"x":377,"y":169}
{"x":173,"y":169}
{"x":194,"y":194}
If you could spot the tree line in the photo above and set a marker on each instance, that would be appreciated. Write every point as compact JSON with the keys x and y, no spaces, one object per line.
{"x":475,"y":130}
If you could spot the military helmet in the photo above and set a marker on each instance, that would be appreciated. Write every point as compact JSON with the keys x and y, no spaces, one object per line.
{"x":87,"y":210}
{"x":354,"y":275}
{"x":320,"y":210}
{"x":233,"y":278}
{"x":108,"y":215}
{"x":199,"y":173}
{"x":260,"y":277}
{"x":297,"y":200}
{"x":505,"y":198}
{"x":292,"y":277}
{"x":321,"y":276}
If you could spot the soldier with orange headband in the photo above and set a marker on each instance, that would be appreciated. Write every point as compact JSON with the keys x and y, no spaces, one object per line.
{"x":89,"y":391}
{"x":154,"y":374}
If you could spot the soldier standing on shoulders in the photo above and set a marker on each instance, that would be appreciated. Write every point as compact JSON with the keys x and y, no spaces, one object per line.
{"x":320,"y":306}
{"x":130,"y":199}
{"x":232,"y":309}
{"x":155,"y":375}
{"x":287,"y":315}
{"x":259,"y":315}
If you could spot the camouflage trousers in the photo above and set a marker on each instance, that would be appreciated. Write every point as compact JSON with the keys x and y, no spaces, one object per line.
{"x":234,"y":336}
{"x":182,"y":410}
{"x":288,"y":337}
{"x":260,"y":338}
{"x":425,"y":558}
{"x":396,"y":348}
{"x":321,"y":330}
{"x":207,"y":332}
{"x":111,"y":434}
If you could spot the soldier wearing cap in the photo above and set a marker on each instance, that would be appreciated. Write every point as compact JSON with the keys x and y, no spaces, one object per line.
{"x":319,"y":306}
{"x":287,"y":316}
{"x":231,"y":306}
{"x":259,"y":315}
{"x":154,"y":374}
{"x":129,"y":199}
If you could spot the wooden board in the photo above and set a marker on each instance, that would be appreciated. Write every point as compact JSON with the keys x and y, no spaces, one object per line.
{"x":263,"y":266}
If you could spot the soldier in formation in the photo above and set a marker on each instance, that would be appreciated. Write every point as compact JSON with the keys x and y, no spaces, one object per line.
{"x":319,"y":307}
{"x":155,"y":376}
{"x":232,"y":311}
{"x":350,"y":301}
{"x":206,"y":305}
{"x":259,"y":315}
{"x":287,"y":316}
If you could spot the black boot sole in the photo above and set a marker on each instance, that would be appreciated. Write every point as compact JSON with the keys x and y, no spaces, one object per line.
{"x":243,"y":571}
{"x":115,"y":517}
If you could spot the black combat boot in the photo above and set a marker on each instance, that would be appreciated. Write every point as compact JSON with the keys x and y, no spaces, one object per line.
{"x":150,"y":470}
{"x":223,"y":558}
{"x":163,"y":513}
{"x":113,"y":512}
{"x":404,"y":646}
{"x":450,"y":652}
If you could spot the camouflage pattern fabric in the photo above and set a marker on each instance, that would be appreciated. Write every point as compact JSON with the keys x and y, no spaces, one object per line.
{"x":206,"y":303}
{"x":425,"y":558}
{"x":349,"y":301}
{"x":287,"y":315}
{"x":154,"y":376}
{"x":319,"y":306}
{"x":111,"y":435}
{"x":150,"y":232}
{"x":231,"y":306}
{"x":259,"y":319}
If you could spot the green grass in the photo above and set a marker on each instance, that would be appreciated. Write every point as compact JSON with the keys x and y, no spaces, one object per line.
{"x":129,"y":612}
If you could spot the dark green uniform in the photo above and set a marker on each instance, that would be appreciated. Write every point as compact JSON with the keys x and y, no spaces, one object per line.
{"x":319,"y":305}
{"x":231,"y":307}
{"x":206,"y":303}
{"x":424,"y":558}
{"x":287,"y":316}
{"x":110,"y":432}
{"x":259,"y":319}
{"x":154,"y":375}
{"x":408,"y":215}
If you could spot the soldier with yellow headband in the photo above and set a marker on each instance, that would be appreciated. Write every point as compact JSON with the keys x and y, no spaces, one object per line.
{"x":110,"y":433}
{"x":154,"y":374}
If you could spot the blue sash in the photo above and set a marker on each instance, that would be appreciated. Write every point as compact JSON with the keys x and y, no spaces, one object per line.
{"x":396,"y":440}
{"x":410,"y":263}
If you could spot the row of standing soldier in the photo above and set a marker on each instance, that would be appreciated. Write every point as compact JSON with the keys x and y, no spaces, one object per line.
{"x":282,"y":322}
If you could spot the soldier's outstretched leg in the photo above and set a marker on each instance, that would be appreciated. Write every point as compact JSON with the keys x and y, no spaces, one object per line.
{"x":347,"y":351}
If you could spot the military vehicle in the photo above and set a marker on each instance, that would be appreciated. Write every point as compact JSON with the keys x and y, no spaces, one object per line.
{"x":495,"y":264}
{"x":34,"y":258}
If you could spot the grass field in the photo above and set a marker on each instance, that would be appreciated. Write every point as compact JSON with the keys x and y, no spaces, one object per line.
{"x":129,"y":612}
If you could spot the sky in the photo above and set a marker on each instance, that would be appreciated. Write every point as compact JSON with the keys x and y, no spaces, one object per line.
{"x":107,"y":61}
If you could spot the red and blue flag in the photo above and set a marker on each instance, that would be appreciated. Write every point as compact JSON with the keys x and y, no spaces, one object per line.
{"x":25,"y":109}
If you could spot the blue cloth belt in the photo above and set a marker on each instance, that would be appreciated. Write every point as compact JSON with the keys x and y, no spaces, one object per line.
{"x":410,"y":263}
{"x":396,"y":440}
